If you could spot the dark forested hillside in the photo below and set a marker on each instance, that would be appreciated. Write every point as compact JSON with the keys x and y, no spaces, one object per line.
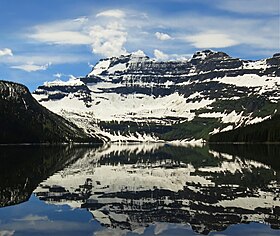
{"x":266,"y":131}
{"x":24,"y":120}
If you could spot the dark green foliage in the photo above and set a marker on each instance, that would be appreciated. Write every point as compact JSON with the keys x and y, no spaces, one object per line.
{"x":266,"y":131}
{"x":197,"y":128}
{"x":24,"y":120}
{"x":259,"y":105}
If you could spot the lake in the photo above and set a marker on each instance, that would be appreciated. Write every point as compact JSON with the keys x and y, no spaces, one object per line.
{"x":148,"y":189}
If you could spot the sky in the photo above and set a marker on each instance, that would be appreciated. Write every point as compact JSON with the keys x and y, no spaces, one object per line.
{"x":61,"y":39}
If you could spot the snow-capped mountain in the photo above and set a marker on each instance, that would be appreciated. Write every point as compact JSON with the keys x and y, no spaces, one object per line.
{"x":135,"y":98}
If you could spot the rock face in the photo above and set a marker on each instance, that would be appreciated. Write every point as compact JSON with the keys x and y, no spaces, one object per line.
{"x":24,"y":120}
{"x":134,"y":98}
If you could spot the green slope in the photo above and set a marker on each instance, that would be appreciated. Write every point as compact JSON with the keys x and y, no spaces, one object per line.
{"x":24,"y":120}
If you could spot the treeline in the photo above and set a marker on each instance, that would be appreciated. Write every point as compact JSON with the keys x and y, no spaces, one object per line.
{"x":266,"y":131}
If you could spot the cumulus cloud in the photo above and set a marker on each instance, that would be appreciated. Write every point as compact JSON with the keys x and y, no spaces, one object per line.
{"x":211,"y":40}
{"x":6,"y":52}
{"x":114,"y":32}
{"x":112,"y":13}
{"x":160,"y":56}
{"x":30,"y":67}
{"x":162,"y":36}
{"x":106,"y":36}
{"x":108,"y":40}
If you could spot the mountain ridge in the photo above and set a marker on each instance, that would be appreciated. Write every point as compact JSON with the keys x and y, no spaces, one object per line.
{"x":135,"y":98}
{"x":24,"y":120}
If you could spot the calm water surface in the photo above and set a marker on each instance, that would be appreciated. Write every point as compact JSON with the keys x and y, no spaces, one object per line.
{"x":154,"y":189}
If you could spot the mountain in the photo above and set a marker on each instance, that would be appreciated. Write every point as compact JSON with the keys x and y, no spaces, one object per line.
{"x":135,"y":98}
{"x":24,"y":120}
{"x":266,"y":131}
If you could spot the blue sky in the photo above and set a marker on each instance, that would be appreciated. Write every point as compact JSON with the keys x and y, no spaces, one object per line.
{"x":57,"y":39}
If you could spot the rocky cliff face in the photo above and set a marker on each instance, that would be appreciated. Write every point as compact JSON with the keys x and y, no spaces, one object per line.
{"x":134,"y":98}
{"x":24,"y":120}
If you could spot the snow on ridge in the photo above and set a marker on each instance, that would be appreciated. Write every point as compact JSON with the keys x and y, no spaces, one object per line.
{"x":251,"y":80}
{"x":260,"y":64}
{"x":232,"y":117}
{"x":58,"y":82}
{"x":100,"y":67}
{"x":130,"y":107}
{"x":188,"y":143}
{"x":257,"y":120}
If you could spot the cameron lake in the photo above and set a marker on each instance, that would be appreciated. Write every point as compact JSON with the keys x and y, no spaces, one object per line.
{"x":147,"y":189}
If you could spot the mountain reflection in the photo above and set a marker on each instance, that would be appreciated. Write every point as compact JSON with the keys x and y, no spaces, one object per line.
{"x":24,"y":167}
{"x":131,"y":186}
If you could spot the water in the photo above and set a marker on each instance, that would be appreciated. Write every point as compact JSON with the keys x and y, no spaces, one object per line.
{"x":153,"y":189}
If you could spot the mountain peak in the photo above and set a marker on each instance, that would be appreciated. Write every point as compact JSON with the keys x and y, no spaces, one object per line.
{"x":114,"y":64}
{"x":209,"y":54}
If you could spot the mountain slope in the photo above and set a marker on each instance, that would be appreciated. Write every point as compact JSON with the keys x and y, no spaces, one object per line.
{"x":266,"y":131}
{"x":134,"y":98}
{"x":24,"y":120}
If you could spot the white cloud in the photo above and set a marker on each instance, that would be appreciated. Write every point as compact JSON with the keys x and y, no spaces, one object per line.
{"x":162,"y":36}
{"x":69,"y":31}
{"x":72,"y":77}
{"x":211,"y":40}
{"x":58,"y":75}
{"x":62,"y":37}
{"x":6,"y":52}
{"x":106,"y":36}
{"x":160,"y":56}
{"x":82,"y":19}
{"x":44,"y":57}
{"x":31,"y":67}
{"x":7,"y":232}
{"x":112,"y":13}
{"x":108,"y":40}
{"x":114,"y":32}
{"x":32,"y":218}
